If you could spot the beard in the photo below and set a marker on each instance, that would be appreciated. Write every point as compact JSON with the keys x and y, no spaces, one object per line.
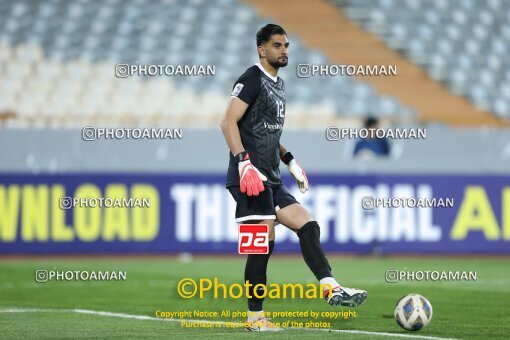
{"x":278,"y":62}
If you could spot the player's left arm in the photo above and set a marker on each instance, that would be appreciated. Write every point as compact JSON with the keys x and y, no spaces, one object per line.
{"x":294,"y":168}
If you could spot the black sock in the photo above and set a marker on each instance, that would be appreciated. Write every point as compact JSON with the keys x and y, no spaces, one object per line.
{"x":255,"y":272}
{"x":309,"y":240}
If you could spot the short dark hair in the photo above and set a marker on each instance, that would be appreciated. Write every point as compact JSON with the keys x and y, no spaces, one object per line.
{"x":264,"y":34}
{"x":371,"y":121}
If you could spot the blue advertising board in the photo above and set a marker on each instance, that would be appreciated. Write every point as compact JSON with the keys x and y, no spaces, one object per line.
{"x":195,"y":213}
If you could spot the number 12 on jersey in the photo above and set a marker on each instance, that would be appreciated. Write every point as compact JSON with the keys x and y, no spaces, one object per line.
{"x":279,"y":108}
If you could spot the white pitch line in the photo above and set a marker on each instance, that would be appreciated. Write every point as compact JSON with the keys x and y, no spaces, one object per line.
{"x":152,"y":318}
{"x":352,"y":331}
{"x":31,"y":310}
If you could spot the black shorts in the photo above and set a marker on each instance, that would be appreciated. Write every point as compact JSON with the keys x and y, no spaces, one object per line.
{"x":261,"y":207}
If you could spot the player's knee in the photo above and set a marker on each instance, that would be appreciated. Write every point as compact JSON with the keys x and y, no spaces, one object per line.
{"x":302,"y":221}
{"x":270,"y":223}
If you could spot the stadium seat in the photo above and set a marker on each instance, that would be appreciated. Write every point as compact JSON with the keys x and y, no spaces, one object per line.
{"x":462,"y":44}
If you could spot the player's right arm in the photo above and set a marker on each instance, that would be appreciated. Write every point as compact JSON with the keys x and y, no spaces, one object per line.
{"x":250,"y":178}
{"x":235,"y":111}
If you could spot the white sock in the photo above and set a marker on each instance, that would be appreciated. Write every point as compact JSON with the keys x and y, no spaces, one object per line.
{"x":254,"y":316}
{"x":329,"y":280}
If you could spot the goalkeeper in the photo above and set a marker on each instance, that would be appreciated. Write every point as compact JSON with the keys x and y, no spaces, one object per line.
{"x":252,"y":126}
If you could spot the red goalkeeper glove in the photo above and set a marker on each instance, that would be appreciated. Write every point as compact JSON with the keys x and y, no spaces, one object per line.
{"x":250,"y":178}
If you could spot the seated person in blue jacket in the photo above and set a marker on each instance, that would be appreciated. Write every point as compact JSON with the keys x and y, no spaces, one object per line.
{"x":371,"y":147}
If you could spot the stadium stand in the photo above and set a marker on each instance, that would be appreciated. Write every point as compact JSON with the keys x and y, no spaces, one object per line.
{"x":460,"y":43}
{"x":57,"y":64}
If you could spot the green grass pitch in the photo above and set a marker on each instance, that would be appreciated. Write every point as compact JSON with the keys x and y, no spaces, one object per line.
{"x":28,"y":309}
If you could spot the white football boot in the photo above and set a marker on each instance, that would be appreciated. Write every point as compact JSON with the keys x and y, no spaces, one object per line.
{"x":350,"y":297}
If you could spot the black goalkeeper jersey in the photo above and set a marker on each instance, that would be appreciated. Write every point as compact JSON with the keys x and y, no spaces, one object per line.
{"x":261,"y":125}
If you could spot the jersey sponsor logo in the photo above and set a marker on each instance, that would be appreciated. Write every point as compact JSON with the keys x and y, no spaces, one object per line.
{"x":273,"y":126}
{"x":237,"y":89}
{"x":253,"y":239}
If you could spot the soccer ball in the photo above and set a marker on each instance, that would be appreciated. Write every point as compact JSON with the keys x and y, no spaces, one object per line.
{"x":413,"y":312}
